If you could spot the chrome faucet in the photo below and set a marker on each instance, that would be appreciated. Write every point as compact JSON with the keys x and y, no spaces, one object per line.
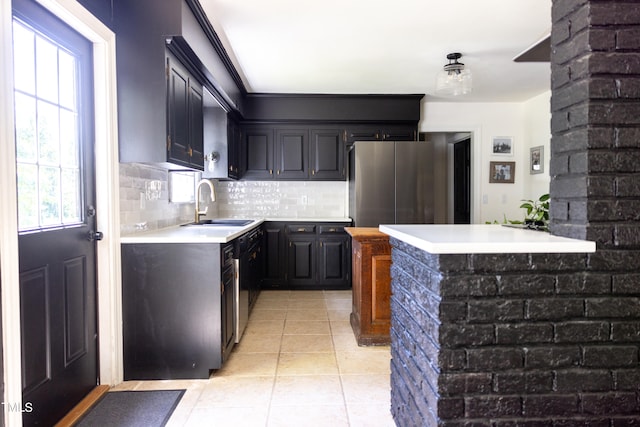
{"x":200,"y":213}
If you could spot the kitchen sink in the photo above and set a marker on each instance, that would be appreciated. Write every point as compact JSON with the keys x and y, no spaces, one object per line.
{"x":223,"y":222}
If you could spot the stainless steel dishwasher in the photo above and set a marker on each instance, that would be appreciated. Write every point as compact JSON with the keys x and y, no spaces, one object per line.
{"x":246,"y":280}
{"x":241,"y":289}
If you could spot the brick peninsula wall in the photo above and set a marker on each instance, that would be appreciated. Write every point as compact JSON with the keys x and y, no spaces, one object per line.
{"x":512,"y":340}
{"x":528,"y":340}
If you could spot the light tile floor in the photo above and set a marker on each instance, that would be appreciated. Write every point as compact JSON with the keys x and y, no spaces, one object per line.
{"x":297,"y":364}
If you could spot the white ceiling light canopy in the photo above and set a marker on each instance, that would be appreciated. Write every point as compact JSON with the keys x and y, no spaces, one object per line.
{"x":454,"y":79}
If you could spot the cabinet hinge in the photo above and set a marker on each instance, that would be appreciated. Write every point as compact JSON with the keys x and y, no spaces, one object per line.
{"x":221,"y":288}
{"x":344,"y":136}
{"x":168,"y":142}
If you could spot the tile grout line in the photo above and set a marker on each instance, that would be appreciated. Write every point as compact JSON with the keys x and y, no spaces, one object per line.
{"x":335,"y":356}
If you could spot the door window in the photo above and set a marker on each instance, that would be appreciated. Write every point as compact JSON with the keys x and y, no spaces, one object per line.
{"x":47,"y":129}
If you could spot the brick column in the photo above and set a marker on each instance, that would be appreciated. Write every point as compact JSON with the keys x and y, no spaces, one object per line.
{"x":595,"y":103}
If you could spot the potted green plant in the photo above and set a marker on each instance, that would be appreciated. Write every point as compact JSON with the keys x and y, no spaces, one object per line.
{"x":537,"y":216}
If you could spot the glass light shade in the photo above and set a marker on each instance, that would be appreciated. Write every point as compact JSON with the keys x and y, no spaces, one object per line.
{"x":453,"y":82}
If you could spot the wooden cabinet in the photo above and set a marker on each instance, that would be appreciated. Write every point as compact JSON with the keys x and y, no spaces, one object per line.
{"x":275,"y":255}
{"x":307,"y":256}
{"x":184,"y":117}
{"x":234,"y":149}
{"x":333,"y":256}
{"x":170,"y":291}
{"x":301,"y":259}
{"x":293,"y":153}
{"x":371,"y":259}
{"x":227,"y":302}
{"x":259,"y":152}
{"x":327,"y":154}
{"x":381,"y":132}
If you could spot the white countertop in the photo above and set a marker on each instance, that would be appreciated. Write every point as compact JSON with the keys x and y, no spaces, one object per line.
{"x":208,"y":233}
{"x":481,"y":238}
{"x":190,"y":234}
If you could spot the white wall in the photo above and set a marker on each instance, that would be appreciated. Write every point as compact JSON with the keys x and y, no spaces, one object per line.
{"x":537,"y":128}
{"x":526,"y":122}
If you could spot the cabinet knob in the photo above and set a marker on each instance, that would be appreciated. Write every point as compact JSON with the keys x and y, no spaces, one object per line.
{"x":270,"y":171}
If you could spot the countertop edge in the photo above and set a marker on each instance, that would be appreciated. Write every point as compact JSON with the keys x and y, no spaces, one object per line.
{"x":209,"y":235}
{"x":472,"y":240}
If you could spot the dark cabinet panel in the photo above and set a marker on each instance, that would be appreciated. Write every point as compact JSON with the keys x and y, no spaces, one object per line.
{"x":196,"y":121}
{"x":258,"y":157}
{"x":301,"y":260}
{"x":381,"y":132}
{"x":184,"y":117}
{"x":327,"y":153}
{"x":333,"y":265}
{"x":292,"y":153}
{"x":307,"y":256}
{"x":227,"y":302}
{"x":234,"y":149}
{"x":275,"y":255}
{"x":159,"y":317}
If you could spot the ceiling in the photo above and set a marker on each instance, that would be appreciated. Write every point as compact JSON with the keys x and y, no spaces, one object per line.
{"x":383,"y":46}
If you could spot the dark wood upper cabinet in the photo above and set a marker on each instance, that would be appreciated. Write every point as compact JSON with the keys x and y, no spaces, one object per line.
{"x":258,"y":155}
{"x":234,"y":149}
{"x":292,"y":154}
{"x":184,"y":117}
{"x":381,"y":132}
{"x":327,"y":153}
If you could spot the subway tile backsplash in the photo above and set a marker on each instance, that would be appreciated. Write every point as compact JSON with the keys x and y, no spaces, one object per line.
{"x":282,"y":199}
{"x":144,"y":199}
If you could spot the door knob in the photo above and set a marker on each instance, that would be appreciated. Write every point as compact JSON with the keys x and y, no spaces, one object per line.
{"x":95,"y":236}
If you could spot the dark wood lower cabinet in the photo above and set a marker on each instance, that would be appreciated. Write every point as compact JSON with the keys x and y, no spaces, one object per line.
{"x":307,"y":256}
{"x":371,"y":312}
{"x":177,"y":320}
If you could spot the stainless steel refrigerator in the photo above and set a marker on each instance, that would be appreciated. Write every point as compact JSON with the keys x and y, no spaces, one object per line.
{"x":390,"y":183}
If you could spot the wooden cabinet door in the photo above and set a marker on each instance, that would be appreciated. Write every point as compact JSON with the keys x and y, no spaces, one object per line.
{"x":326,"y":150}
{"x":274,"y":255}
{"x":177,"y":114}
{"x":302,"y":260}
{"x":196,"y":122}
{"x":185,"y":135}
{"x":333,"y":261}
{"x":399,"y":133}
{"x":234,"y":144}
{"x":363,"y":133}
{"x":259,"y":154}
{"x":292,"y":153}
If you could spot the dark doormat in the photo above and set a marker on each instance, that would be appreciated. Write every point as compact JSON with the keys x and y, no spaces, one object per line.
{"x":132,"y":409}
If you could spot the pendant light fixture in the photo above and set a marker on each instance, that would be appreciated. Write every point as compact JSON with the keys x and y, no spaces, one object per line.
{"x":454,"y":79}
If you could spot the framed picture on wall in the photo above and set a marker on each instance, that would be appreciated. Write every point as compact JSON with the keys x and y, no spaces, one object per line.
{"x":536,"y":160}
{"x":502,"y":172}
{"x":502,"y":146}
